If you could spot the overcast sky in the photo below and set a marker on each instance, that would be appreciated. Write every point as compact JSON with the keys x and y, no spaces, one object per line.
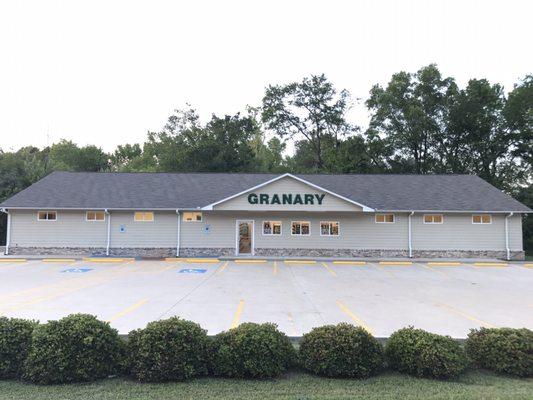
{"x":106,"y":72}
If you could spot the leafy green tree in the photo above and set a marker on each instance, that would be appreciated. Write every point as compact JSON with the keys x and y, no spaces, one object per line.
{"x":311,"y":110}
{"x":67,"y":156}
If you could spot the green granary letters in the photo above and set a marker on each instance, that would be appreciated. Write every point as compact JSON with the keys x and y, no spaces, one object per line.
{"x":286,"y":199}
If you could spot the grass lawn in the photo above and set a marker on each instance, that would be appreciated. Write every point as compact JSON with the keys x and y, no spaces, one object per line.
{"x":472,"y":385}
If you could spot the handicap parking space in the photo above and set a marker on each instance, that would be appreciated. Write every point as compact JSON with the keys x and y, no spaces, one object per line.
{"x":297,"y":295}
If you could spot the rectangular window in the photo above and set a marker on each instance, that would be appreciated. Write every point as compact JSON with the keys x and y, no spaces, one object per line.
{"x":481,"y":219}
{"x":384,"y":218}
{"x":329,"y":228}
{"x":143,"y":216}
{"x":433,"y":218}
{"x":47,"y":215}
{"x":301,"y":228}
{"x":192,"y":217}
{"x":95,"y":216}
{"x":271,"y":227}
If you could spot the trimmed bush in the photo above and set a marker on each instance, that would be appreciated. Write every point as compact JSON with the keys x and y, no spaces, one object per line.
{"x":341,"y":351}
{"x":168,"y":350}
{"x":503,"y":350}
{"x":420,"y":353}
{"x":252,"y":351}
{"x":15,"y":341}
{"x":77,"y":348}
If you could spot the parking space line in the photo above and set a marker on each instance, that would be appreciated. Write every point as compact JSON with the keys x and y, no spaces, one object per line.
{"x":173,"y":259}
{"x":354,"y":317}
{"x":275,"y":268}
{"x":433,"y":270}
{"x":490,"y":264}
{"x":12,"y":260}
{"x":202,"y":260}
{"x":444,"y":264}
{"x":396,"y":263}
{"x":380,"y":268}
{"x":237,"y":316}
{"x":465,"y":315}
{"x":58,"y":260}
{"x":128,"y":310}
{"x":107,"y":260}
{"x":329,"y":269}
{"x":299,"y":261}
{"x":222,"y":268}
{"x":249,"y":261}
{"x":350,"y":262}
{"x":528,"y":265}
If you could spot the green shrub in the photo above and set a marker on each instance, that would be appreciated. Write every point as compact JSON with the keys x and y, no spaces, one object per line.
{"x":76,"y":348}
{"x":252,"y":351}
{"x":15,"y":340}
{"x":341,"y":350}
{"x":503,"y":350}
{"x":420,"y":353}
{"x":168,"y":350}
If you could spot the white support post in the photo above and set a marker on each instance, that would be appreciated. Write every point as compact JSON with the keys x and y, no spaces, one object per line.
{"x":179,"y":234}
{"x":507,"y":248}
{"x":108,"y":215}
{"x":410,"y":235}
{"x":8,"y":231}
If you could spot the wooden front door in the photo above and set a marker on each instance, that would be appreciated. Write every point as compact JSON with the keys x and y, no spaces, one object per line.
{"x":245,"y":237}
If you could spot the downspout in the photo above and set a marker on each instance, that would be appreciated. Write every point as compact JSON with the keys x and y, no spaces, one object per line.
{"x":108,"y":214}
{"x":410,"y":239}
{"x":178,"y":237}
{"x":8,"y":230}
{"x":507,"y":249}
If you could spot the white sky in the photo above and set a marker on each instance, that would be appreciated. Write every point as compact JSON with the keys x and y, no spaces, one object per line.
{"x":106,"y":72}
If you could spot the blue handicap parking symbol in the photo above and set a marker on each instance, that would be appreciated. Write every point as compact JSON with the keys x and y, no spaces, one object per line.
{"x":77,"y":270}
{"x":192,"y":271}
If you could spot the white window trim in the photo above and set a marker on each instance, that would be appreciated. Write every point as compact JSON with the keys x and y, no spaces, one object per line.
{"x":193,"y":212}
{"x":331,"y":222}
{"x":301,"y":234}
{"x":480,"y":223}
{"x":47,"y":220}
{"x":385,"y":222}
{"x":432,"y":222}
{"x":94,"y":220}
{"x":143,"y":220}
{"x":272,"y":234}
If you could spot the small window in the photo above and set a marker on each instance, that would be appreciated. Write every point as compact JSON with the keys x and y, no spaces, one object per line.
{"x":481,"y":219}
{"x":384,"y":218}
{"x":302,"y":228}
{"x":192,"y":217}
{"x":329,"y":228}
{"x":95,"y":216}
{"x":47,"y":215}
{"x":433,"y":218}
{"x":271,"y":227}
{"x":143,"y":216}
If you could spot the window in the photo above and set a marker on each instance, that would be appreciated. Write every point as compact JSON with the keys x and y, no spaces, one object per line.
{"x":47,"y":215}
{"x":329,"y":228}
{"x":384,"y":218}
{"x":192,"y":217}
{"x":433,"y":218}
{"x":143,"y":216}
{"x":481,"y":219}
{"x":95,"y":216}
{"x":271,"y":227}
{"x":302,"y":228}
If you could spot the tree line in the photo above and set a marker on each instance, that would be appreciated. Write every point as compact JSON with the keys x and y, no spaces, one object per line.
{"x":420,"y":122}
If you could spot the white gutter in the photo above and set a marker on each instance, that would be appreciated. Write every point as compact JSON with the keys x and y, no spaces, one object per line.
{"x":8,"y":230}
{"x":178,"y":237}
{"x":507,"y":249}
{"x":108,"y":214}
{"x":410,"y":235}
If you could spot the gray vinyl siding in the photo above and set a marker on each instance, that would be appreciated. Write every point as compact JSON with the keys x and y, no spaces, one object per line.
{"x":289,"y":186}
{"x":162,"y":232}
{"x":69,"y":230}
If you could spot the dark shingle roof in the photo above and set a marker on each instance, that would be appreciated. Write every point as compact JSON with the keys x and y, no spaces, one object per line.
{"x":85,"y":190}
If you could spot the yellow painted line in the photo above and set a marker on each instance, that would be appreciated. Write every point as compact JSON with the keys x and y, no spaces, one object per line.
{"x":202,"y":260}
{"x":52,"y":260}
{"x":435,"y":271}
{"x":275,"y":268}
{"x":173,"y":259}
{"x":354,"y":317}
{"x":250,"y":261}
{"x":107,"y":260}
{"x":221,"y":269}
{"x":395,"y":263}
{"x":237,"y":316}
{"x":128,"y":310}
{"x":528,"y":265}
{"x":10,"y":260}
{"x":465,"y":315}
{"x":299,"y":261}
{"x":350,"y":262}
{"x":489,"y":264}
{"x":443,"y":264}
{"x":330,"y":270}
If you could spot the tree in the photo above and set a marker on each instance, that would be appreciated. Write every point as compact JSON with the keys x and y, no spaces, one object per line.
{"x":67,"y":156}
{"x":311,"y":110}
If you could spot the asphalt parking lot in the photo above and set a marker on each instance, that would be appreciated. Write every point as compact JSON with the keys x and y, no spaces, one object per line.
{"x":296,"y":295}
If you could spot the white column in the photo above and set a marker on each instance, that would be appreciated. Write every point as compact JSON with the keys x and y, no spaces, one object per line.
{"x":8,"y":232}
{"x":410,"y":235}
{"x":108,"y":215}
{"x":179,"y":234}
{"x":507,"y":248}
